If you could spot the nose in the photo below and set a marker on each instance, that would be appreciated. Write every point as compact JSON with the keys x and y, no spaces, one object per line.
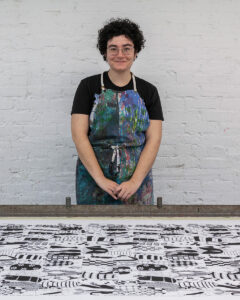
{"x":120,"y":53}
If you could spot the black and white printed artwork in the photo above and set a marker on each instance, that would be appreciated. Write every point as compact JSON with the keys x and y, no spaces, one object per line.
{"x":107,"y":258}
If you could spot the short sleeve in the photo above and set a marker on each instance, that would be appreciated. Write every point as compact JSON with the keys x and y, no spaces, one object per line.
{"x":154,"y":106}
{"x":82,"y":100}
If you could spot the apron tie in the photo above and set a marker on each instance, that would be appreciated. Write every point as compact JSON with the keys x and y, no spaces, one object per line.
{"x":115,"y":151}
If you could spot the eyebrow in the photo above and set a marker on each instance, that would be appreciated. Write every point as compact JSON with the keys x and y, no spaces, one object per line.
{"x":116,"y":45}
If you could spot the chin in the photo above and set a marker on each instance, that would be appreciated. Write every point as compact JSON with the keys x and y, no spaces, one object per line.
{"x":119,"y":67}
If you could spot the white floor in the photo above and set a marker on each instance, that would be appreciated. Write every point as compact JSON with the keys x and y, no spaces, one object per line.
{"x":123,"y":257}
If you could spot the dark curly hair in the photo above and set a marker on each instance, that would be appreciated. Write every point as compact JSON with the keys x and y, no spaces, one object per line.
{"x":116,"y":27}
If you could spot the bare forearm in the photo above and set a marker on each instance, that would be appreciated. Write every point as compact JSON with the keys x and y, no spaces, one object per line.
{"x":88,"y":157}
{"x":146,"y":161}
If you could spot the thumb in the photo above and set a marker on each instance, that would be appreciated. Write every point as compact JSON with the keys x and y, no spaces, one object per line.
{"x":118,"y":188}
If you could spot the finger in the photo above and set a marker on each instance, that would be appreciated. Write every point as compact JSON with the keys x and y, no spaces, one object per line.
{"x":113,"y":195}
{"x":118,"y":188}
{"x":125,"y":197}
{"x":119,"y":195}
{"x":115,"y":186}
{"x":117,"y":191}
{"x":128,"y":195}
{"x":122,"y":195}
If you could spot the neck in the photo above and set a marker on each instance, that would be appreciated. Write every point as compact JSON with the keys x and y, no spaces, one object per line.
{"x":121,"y":78}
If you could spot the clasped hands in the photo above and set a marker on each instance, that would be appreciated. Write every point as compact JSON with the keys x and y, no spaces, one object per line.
{"x":126,"y":189}
{"x":121,"y":191}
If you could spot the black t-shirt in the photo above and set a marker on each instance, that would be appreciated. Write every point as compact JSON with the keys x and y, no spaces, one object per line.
{"x":84,"y":96}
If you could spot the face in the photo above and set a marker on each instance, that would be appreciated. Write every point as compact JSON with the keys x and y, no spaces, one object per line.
{"x":120,"y":61}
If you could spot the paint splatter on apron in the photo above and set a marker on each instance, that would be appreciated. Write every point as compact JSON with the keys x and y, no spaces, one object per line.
{"x":118,"y":122}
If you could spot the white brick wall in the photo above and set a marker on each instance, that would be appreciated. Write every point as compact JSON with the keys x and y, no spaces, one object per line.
{"x":191,"y":55}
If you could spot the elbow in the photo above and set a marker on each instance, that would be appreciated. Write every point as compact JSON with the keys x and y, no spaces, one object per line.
{"x":79,"y":137}
{"x":154,"y":140}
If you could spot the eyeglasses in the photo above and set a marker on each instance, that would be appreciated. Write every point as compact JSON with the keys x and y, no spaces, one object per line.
{"x":125,"y":50}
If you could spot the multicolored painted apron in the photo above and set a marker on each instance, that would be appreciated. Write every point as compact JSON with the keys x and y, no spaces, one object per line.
{"x":118,"y":122}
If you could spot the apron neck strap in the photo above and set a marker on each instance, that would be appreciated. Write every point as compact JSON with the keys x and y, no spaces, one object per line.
{"x":102,"y":84}
{"x":134,"y":82}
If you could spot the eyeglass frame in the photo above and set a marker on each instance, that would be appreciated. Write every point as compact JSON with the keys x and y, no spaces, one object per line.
{"x":109,"y":48}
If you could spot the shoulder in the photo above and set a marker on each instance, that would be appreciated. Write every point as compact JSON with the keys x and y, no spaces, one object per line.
{"x":91,"y":79}
{"x":89,"y":84}
{"x":146,"y":89}
{"x":144,"y":83}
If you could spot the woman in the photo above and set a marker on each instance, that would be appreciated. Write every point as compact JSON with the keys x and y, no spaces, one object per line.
{"x":116,"y":124}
